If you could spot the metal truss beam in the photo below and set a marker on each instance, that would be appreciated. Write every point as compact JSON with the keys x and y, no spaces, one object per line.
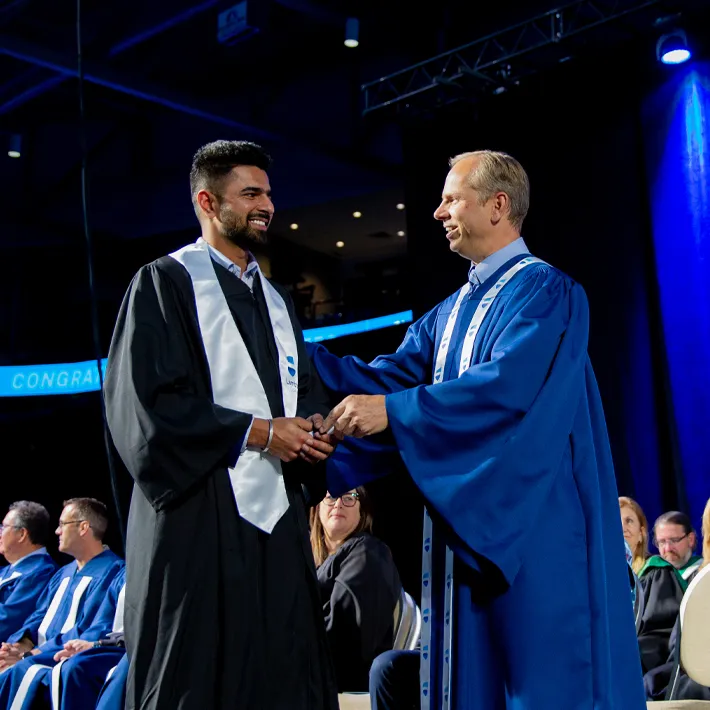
{"x":485,"y":62}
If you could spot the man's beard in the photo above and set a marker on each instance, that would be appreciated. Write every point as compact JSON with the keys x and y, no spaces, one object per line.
{"x":239,"y":231}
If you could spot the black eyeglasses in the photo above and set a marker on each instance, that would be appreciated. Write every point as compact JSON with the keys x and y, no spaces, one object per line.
{"x":62,"y":523}
{"x":349,"y":500}
{"x":669,"y":542}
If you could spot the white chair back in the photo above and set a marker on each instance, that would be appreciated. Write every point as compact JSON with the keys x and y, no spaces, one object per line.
{"x":695,"y":628}
{"x":407,"y":624}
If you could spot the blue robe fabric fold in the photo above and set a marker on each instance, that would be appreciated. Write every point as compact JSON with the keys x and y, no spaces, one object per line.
{"x":20,"y":589}
{"x":113,"y":692}
{"x":84,"y":675}
{"x":514,"y":464}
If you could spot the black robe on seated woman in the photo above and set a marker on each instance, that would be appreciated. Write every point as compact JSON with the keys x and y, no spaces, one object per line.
{"x":360,"y":587}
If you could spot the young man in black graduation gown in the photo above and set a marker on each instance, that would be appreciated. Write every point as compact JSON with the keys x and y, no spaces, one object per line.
{"x":220,"y":612}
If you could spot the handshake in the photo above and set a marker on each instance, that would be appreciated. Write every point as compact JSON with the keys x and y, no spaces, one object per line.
{"x":315,"y":438}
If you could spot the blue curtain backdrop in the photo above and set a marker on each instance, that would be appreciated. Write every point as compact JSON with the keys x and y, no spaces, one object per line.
{"x":676,"y":121}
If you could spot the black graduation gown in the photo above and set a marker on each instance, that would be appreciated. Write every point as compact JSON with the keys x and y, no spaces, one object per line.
{"x":218,"y":615}
{"x":360,"y":587}
{"x":662,"y":596}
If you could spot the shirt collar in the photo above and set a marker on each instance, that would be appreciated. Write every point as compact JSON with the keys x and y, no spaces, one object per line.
{"x":40,"y":551}
{"x":228,"y":264}
{"x":478,"y":273}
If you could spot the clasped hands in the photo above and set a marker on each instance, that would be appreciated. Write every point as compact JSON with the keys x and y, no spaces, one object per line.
{"x":314,"y":439}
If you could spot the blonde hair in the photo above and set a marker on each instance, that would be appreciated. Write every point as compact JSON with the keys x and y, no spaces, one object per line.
{"x":499,"y":172}
{"x":318,"y":545}
{"x":640,"y":553}
{"x":706,"y":534}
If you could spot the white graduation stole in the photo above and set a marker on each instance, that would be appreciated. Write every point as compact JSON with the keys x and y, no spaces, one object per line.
{"x":257,"y":480}
{"x":428,"y":532}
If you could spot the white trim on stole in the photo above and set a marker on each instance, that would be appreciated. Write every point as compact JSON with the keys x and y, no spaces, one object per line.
{"x":257,"y":479}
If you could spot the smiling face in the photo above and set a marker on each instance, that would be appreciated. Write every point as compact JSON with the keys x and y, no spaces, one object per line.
{"x":242,"y":210}
{"x":469,"y":220}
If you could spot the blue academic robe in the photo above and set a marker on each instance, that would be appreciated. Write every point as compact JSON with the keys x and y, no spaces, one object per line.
{"x":514,"y":463}
{"x":81,"y":602}
{"x":21,"y":586}
{"x":113,"y":693}
{"x":79,"y":679}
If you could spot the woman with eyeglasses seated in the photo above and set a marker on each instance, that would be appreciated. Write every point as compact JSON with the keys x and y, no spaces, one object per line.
{"x":359,"y":585}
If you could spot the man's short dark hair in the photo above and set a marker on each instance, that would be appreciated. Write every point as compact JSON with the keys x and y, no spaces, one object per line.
{"x":34,"y":518}
{"x":92,"y":510}
{"x":215,"y":160}
{"x":675,"y":517}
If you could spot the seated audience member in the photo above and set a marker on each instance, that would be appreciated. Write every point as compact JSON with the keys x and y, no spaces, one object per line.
{"x":664,"y":579}
{"x":23,"y":535}
{"x":359,"y":585}
{"x":635,"y":528}
{"x":657,"y":680}
{"x":69,"y":605}
{"x":76,"y":673}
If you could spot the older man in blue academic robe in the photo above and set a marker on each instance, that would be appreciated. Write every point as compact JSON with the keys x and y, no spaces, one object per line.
{"x":493,"y":407}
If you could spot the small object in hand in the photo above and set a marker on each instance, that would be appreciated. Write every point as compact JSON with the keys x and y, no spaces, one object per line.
{"x":330,"y":431}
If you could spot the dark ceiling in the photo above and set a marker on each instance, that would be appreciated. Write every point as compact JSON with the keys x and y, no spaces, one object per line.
{"x":159,"y":83}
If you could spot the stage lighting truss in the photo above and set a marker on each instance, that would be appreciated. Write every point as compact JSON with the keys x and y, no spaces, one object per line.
{"x":497,"y":62}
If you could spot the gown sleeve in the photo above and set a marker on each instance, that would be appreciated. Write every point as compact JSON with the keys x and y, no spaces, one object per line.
{"x":30,"y":625}
{"x":409,"y":366}
{"x":168,"y":431}
{"x":357,"y":462}
{"x":22,"y":600}
{"x":485,"y":448}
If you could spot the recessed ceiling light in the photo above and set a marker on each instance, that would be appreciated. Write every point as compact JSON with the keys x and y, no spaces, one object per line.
{"x":357,"y":215}
{"x":400,"y":233}
{"x":294,"y":226}
{"x":400,"y":205}
{"x":340,"y":245}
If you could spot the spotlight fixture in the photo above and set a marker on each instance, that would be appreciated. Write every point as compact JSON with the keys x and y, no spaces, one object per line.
{"x":400,"y":205}
{"x":14,"y":149}
{"x":357,"y":214}
{"x":340,"y":245}
{"x":400,"y":233}
{"x":672,"y":48}
{"x":294,"y":226}
{"x":352,"y":32}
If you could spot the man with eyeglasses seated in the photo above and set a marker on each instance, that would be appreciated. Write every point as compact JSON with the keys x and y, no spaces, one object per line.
{"x":664,"y":579}
{"x":23,"y":535}
{"x":68,"y":606}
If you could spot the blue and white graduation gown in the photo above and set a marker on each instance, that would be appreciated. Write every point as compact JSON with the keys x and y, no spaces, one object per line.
{"x":495,"y":412}
{"x":77,"y":681}
{"x":21,"y":585}
{"x":67,"y":610}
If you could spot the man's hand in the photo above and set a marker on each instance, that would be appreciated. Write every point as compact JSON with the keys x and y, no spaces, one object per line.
{"x":11,"y":653}
{"x":323,"y":444}
{"x":292,"y":436}
{"x":71,"y":648}
{"x":357,"y":415}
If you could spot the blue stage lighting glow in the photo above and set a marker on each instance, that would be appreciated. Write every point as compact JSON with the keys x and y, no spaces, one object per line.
{"x":79,"y":377}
